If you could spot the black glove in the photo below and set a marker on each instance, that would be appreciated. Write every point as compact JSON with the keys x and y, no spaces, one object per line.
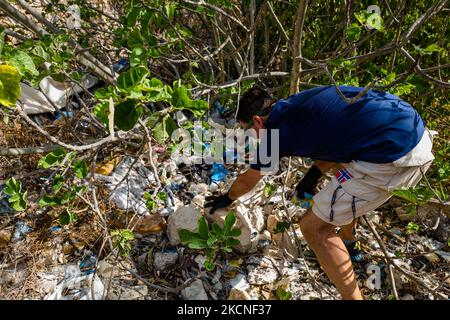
{"x":217,"y":202}
{"x":309,"y":183}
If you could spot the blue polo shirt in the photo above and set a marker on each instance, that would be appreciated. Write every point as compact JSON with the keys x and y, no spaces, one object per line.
{"x":317,"y":123}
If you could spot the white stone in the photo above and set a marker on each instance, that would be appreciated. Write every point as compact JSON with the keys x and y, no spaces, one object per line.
{"x":247,"y":242}
{"x":195,"y":291}
{"x":184,"y":218}
{"x":260,"y":276}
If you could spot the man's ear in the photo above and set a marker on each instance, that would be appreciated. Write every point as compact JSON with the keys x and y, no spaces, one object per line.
{"x":258,"y":121}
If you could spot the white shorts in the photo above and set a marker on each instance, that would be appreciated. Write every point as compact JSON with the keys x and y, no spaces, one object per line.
{"x":361,"y":186}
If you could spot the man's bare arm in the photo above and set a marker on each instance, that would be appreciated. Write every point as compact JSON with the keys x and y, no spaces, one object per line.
{"x":244,"y":183}
{"x":324,"y":166}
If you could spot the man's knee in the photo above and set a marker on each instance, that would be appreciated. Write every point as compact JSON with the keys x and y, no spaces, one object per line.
{"x":313,"y":228}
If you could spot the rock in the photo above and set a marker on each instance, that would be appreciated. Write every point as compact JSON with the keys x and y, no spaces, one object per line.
{"x":195,"y":291}
{"x":265,"y":235}
{"x":247,"y":242}
{"x":200,"y":260}
{"x":105,"y":269}
{"x":164,"y":260}
{"x":407,"y":297}
{"x":199,"y":200}
{"x":236,"y":294}
{"x":258,"y":275}
{"x":184,"y":218}
{"x":257,"y":218}
{"x":239,"y":282}
{"x":6,"y":235}
{"x":133,"y":293}
{"x":284,"y":240}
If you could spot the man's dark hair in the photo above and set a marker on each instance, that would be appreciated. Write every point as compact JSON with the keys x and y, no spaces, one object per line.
{"x":256,"y":101}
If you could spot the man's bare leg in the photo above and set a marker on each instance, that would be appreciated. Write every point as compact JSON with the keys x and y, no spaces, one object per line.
{"x":347,"y":232}
{"x":332,"y":254}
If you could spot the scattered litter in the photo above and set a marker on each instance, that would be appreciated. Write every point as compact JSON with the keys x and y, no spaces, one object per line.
{"x":20,"y":231}
{"x":75,"y":286}
{"x":130,"y":185}
{"x":58,"y":94}
{"x":218,"y":172}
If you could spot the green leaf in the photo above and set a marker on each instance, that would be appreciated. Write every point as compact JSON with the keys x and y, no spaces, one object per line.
{"x":9,"y":85}
{"x":138,"y":56}
{"x":2,"y":39}
{"x":57,"y":183}
{"x":353,"y":32}
{"x":282,"y":294}
{"x":428,"y":50}
{"x":162,"y":196}
{"x":151,"y":205}
{"x":376,"y":21}
{"x":412,"y":228}
{"x":133,"y":16}
{"x":198,"y":243}
{"x":180,"y":100}
{"x":406,"y":194}
{"x":135,"y":38}
{"x":67,"y":217}
{"x":170,"y":10}
{"x":234,"y":233}
{"x":209,"y":265}
{"x":153,"y":53}
{"x":24,"y":63}
{"x":203,"y":228}
{"x":230,"y":219}
{"x":81,"y":169}
{"x":419,"y":83}
{"x":211,"y":241}
{"x":185,"y":236}
{"x":231,"y":242}
{"x":164,"y":129}
{"x":126,"y":115}
{"x":20,"y":204}
{"x":127,"y":234}
{"x":281,"y":227}
{"x":12,"y":186}
{"x":269,"y":189}
{"x":132,"y":78}
{"x":50,"y":201}
{"x":52,"y":159}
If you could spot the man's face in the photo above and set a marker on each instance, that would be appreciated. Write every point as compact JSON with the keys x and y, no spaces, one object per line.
{"x":256,"y":123}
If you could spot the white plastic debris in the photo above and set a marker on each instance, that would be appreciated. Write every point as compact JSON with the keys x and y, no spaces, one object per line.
{"x":131,"y":185}
{"x":36,"y":102}
{"x":76,"y":286}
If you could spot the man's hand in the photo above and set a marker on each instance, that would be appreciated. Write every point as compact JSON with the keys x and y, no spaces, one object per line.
{"x":309,"y":183}
{"x":217,"y":202}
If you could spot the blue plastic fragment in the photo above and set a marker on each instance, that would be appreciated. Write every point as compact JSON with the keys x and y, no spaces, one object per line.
{"x":87,"y":265}
{"x":20,"y":231}
{"x":121,"y":65}
{"x":218,"y":172}
{"x":307,"y":202}
{"x":55,"y":228}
